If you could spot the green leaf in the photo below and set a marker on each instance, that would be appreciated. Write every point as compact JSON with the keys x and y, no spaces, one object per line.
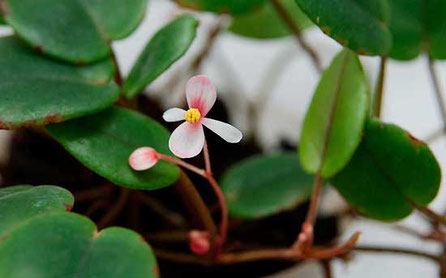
{"x":20,"y":203}
{"x":73,"y":30}
{"x":407,"y":28}
{"x":389,"y":171}
{"x":335,"y":119}
{"x":357,"y":24}
{"x":167,"y":46}
{"x":221,"y":6}
{"x":265,"y":23}
{"x":436,"y":27}
{"x":35,"y":90}
{"x":416,"y":26}
{"x":264,"y":185}
{"x":103,"y":142}
{"x":68,"y":245}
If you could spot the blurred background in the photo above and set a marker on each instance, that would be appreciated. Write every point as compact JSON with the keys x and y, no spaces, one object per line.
{"x":280,"y":77}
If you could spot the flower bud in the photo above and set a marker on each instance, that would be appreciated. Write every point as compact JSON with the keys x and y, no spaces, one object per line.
{"x":143,"y":158}
{"x":199,"y":242}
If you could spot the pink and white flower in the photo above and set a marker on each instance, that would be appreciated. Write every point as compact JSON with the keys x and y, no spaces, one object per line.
{"x":188,"y":139}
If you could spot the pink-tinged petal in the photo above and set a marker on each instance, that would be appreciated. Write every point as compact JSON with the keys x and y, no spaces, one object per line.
{"x":224,"y":130}
{"x":200,"y":94}
{"x":187,"y":140}
{"x":143,"y":158}
{"x":174,"y":115}
{"x":199,"y":242}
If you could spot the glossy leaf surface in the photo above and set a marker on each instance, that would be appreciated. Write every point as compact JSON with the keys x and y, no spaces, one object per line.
{"x":103,"y":142}
{"x":35,"y":90}
{"x":360,"y":25}
{"x":335,"y":119}
{"x":390,"y":171}
{"x":73,"y":30}
{"x":167,"y":46}
{"x":264,"y":185}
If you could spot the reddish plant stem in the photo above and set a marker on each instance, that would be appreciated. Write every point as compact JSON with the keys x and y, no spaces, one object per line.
{"x":292,"y":254}
{"x":207,"y":174}
{"x":315,"y":199}
{"x":431,"y":214}
{"x":223,"y":207}
{"x":326,"y":265}
{"x":289,"y":21}
{"x":220,"y":196}
{"x":196,"y":206}
{"x":183,"y":164}
{"x":207,"y":160}
{"x":305,"y":238}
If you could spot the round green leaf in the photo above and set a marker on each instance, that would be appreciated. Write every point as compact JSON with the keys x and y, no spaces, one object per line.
{"x":264,"y":185}
{"x":103,"y":142}
{"x":68,"y":245}
{"x":416,"y":26}
{"x":357,"y":24}
{"x":20,"y":203}
{"x":167,"y":46}
{"x":335,"y":119}
{"x":221,"y":6}
{"x":73,"y":30}
{"x":389,"y":171}
{"x":265,"y":23}
{"x":35,"y":90}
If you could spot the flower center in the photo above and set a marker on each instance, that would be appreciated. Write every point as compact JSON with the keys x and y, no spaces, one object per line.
{"x":192,"y":115}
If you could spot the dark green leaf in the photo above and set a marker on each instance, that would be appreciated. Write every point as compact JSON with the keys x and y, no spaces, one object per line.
{"x":20,"y":203}
{"x":334,"y":122}
{"x":435,"y":17}
{"x":73,"y":30}
{"x":166,"y":47}
{"x":406,"y":27}
{"x":265,"y":185}
{"x":265,"y":23}
{"x":418,"y":25}
{"x":389,"y":171}
{"x":35,"y":90}
{"x":68,"y":245}
{"x":221,"y":6}
{"x":103,"y":142}
{"x":357,"y":24}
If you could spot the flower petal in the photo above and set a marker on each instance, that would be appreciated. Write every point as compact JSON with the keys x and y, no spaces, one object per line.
{"x":200,"y":94}
{"x":143,"y":158}
{"x":187,"y":140}
{"x":174,"y":115}
{"x":224,"y":130}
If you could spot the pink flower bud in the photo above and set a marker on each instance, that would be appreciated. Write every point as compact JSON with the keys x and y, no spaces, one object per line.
{"x":199,"y":242}
{"x":143,"y":158}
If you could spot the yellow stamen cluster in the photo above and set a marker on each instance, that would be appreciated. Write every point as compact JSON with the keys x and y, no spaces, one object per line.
{"x":192,"y":115}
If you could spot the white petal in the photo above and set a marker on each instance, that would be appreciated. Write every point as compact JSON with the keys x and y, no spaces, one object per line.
{"x":143,"y":158}
{"x":174,"y":115}
{"x":200,"y":94}
{"x":224,"y":130}
{"x":187,"y":140}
